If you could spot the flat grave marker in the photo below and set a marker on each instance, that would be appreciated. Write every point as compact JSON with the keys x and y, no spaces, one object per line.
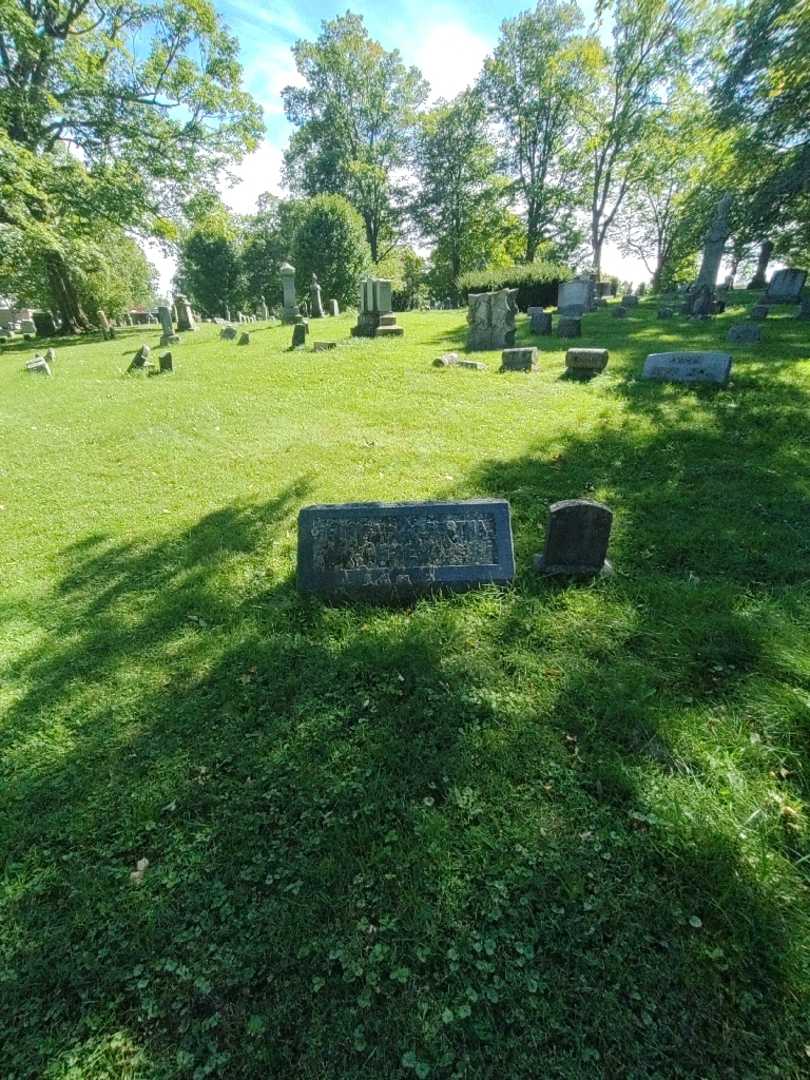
{"x":688,"y":367}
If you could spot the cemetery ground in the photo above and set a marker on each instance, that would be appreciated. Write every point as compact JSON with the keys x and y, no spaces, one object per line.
{"x":558,"y":830}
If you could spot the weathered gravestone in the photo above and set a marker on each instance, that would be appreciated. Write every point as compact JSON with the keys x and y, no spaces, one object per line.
{"x":334,"y":308}
{"x":586,"y":361}
{"x":244,"y":339}
{"x":185,"y":316}
{"x":541,"y":320}
{"x":604,"y":288}
{"x":744,"y":333}
{"x":619,"y":312}
{"x":491,"y":320}
{"x":577,"y":537}
{"x":228,"y":333}
{"x":38,"y":366}
{"x":804,"y":309}
{"x":569,"y":327}
{"x":324,"y":346}
{"x":718,"y":307}
{"x":264,"y":309}
{"x":448,"y":359}
{"x":666,"y":312}
{"x":300,"y":331}
{"x":168,"y":337}
{"x":315,"y":304}
{"x":290,"y":310}
{"x":50,"y":356}
{"x":574,"y":297}
{"x":44,"y":323}
{"x":379,"y":550}
{"x":785,"y":287}
{"x":760,"y":312}
{"x":688,"y":367}
{"x":519,"y":360}
{"x":140,"y":361}
{"x":376,"y":318}
{"x":472,"y":365}
{"x":166,"y":363}
{"x":628,"y":300}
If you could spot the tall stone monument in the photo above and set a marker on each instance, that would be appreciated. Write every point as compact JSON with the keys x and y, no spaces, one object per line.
{"x":168,"y":337}
{"x":287,"y":273}
{"x":491,"y":318}
{"x":185,"y":318}
{"x":376,"y":318}
{"x":315,"y":303}
{"x":264,"y":309}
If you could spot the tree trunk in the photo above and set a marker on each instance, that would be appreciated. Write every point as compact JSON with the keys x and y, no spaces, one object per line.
{"x":64,"y":295}
{"x":715,"y":243}
{"x":758,"y":280}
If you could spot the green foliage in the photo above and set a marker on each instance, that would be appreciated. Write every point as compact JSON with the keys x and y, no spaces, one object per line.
{"x":408,"y":273}
{"x":353,"y":120}
{"x":268,"y":241}
{"x":210,"y":268}
{"x":536,"y":282}
{"x":330,"y":241}
{"x":557,"y":830}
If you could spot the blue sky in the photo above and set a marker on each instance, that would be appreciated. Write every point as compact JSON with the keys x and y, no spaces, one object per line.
{"x":446,"y":39}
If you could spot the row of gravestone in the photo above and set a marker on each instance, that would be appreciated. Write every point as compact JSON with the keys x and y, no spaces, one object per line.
{"x":381,"y":551}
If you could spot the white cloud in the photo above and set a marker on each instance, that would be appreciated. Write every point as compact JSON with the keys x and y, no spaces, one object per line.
{"x":449,"y":55}
{"x":259,"y":172}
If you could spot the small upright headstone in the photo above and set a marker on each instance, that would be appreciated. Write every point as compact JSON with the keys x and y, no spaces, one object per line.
{"x":140,"y":361}
{"x":688,"y":367}
{"x":396,"y":550}
{"x":334,"y":308}
{"x":300,"y":331}
{"x":228,"y":333}
{"x":586,"y":361}
{"x":185,"y":317}
{"x":166,"y":363}
{"x":759,"y":312}
{"x":665,"y":313}
{"x":376,"y":317}
{"x":628,"y":300}
{"x":541,"y":320}
{"x":264,"y":309}
{"x":744,"y":333}
{"x":519,"y":359}
{"x":569,"y":327}
{"x":244,"y":339}
{"x":577,"y":538}
{"x":619,"y":312}
{"x":315,"y":304}
{"x":168,"y":337}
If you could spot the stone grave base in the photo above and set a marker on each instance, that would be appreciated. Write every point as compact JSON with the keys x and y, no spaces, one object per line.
{"x":606,"y":570}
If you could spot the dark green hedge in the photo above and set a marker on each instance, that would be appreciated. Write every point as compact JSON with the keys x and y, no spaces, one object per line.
{"x":535,"y":282}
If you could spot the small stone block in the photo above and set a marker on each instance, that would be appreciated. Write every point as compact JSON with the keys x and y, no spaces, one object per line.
{"x":577,"y":537}
{"x":472,"y":365}
{"x":228,"y":333}
{"x":402,"y":550}
{"x":540,"y":319}
{"x":760,"y":312}
{"x":666,"y":313}
{"x":244,"y":339}
{"x":744,"y":334}
{"x":688,"y":367}
{"x":519,"y":359}
{"x":619,"y":312}
{"x":593,"y":360}
{"x":568,"y":328}
{"x":325,"y":346}
{"x":629,"y":301}
{"x":389,"y":331}
{"x":448,"y":359}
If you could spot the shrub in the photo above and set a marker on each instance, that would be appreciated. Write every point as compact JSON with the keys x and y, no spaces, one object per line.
{"x":535,"y":282}
{"x":331,"y":242}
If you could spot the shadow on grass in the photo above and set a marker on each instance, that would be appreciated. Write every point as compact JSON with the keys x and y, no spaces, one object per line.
{"x":434,"y":832}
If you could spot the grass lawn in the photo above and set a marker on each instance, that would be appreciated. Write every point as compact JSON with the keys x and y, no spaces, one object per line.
{"x":554,"y":831}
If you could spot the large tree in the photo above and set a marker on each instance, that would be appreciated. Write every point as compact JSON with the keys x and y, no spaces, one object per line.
{"x":210,"y":263}
{"x":461,"y":202}
{"x":637,"y":69}
{"x":534,"y":83}
{"x":269,"y":241}
{"x":330,"y":242}
{"x":147,"y":98}
{"x":354,"y":120}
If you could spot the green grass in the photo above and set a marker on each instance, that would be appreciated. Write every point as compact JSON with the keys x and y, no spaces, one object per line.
{"x":553,"y":831}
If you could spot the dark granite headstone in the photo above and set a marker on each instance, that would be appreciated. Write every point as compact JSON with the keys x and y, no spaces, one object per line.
{"x":568,"y":328}
{"x":140,"y":361}
{"x":519,"y":359}
{"x":577,"y":539}
{"x":785,"y":287}
{"x":665,"y":313}
{"x":44,"y":322}
{"x":619,"y":312}
{"x":804,"y":309}
{"x":760,"y":312}
{"x":744,"y":333}
{"x":378,"y":550}
{"x":586,"y":361}
{"x":541,"y":320}
{"x":228,"y":333}
{"x":688,"y":367}
{"x":166,"y":363}
{"x":300,"y":331}
{"x":244,"y":339}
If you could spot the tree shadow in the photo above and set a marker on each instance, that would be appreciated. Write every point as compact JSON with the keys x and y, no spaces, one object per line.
{"x":359,"y":818}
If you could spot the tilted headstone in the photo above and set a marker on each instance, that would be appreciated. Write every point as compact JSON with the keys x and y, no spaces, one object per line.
{"x":491,"y":319}
{"x":228,"y":333}
{"x":287,"y":275}
{"x":381,"y":550}
{"x":688,"y":367}
{"x":519,"y":359}
{"x":315,"y":304}
{"x":586,"y":361}
{"x":577,"y":538}
{"x":448,"y":359}
{"x":38,"y":366}
{"x":334,"y":308}
{"x":140,"y":361}
{"x":569,"y":327}
{"x":185,"y":317}
{"x":744,"y":333}
{"x":166,"y":363}
{"x":541,"y":320}
{"x":50,"y":356}
{"x":574,"y":297}
{"x":785,"y":287}
{"x":244,"y":339}
{"x":760,"y":312}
